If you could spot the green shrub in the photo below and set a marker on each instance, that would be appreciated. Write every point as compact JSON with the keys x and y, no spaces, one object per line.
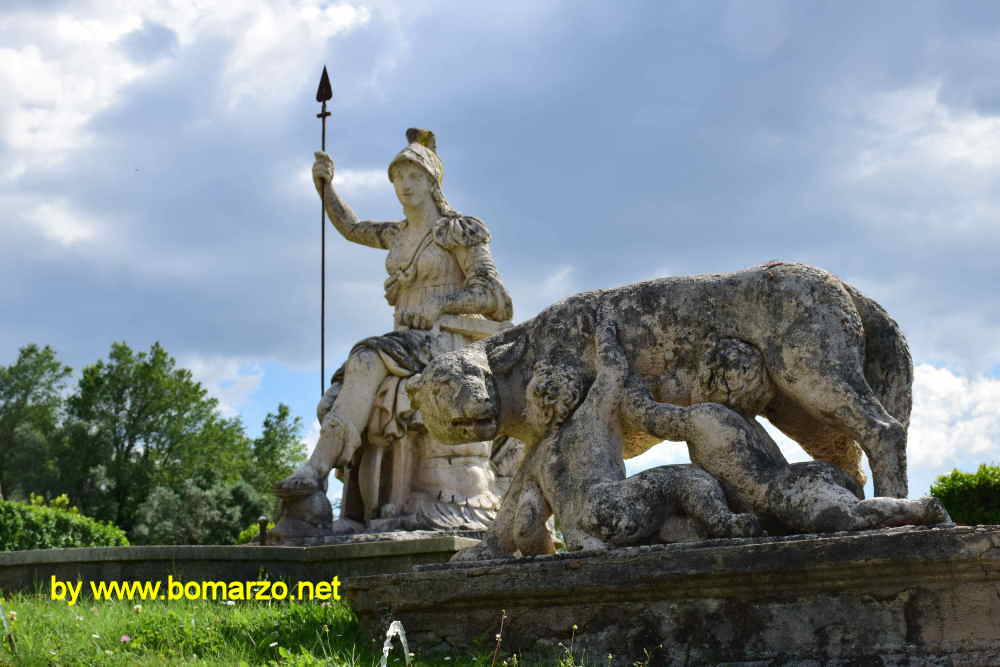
{"x":60,"y":502}
{"x":32,"y":526}
{"x":251,"y":532}
{"x":970,"y":498}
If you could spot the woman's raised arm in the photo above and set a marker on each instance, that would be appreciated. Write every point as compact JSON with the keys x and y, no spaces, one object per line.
{"x":344,"y":219}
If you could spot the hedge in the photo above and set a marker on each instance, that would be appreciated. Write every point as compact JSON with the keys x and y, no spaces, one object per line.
{"x":970,"y":498}
{"x":24,"y":526}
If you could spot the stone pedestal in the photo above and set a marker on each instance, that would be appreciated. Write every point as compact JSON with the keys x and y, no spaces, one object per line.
{"x":901,"y":596}
{"x":33,"y":570}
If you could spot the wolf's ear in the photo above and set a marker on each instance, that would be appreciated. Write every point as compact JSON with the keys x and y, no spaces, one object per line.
{"x":504,"y":357}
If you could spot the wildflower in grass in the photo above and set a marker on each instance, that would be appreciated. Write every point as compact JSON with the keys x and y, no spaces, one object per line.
{"x":272,"y":644}
{"x":229,"y":603}
{"x":95,"y":636}
{"x":125,"y":639}
{"x":137,"y":609}
{"x":12,"y":615}
{"x":109,"y":652}
{"x":326,"y":628}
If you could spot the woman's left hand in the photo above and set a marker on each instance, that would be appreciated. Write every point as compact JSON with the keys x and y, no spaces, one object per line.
{"x":422,"y":316}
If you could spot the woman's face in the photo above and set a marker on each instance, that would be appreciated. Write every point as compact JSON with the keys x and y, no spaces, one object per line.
{"x":413,"y":184}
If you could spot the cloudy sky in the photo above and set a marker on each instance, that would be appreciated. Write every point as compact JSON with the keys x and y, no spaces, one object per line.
{"x":155,"y":155}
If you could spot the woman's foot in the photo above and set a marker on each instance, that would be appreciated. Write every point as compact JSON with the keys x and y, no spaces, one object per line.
{"x":303,"y":482}
{"x":338,"y":440}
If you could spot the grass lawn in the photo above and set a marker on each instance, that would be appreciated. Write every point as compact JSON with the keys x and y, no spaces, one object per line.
{"x":187,"y":632}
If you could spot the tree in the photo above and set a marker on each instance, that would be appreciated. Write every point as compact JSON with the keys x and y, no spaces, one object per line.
{"x":197,"y":513}
{"x":30,"y":404}
{"x":970,"y":498}
{"x":139,"y":443}
{"x":136,"y":423}
{"x":277,"y":451}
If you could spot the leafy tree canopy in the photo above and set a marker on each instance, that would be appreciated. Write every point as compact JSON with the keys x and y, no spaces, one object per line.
{"x":138,"y":443}
{"x":197,"y":513}
{"x":277,"y":451}
{"x":150,"y":424}
{"x":30,"y":401}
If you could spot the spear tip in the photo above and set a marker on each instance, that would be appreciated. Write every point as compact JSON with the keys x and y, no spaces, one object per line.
{"x":325,"y":91}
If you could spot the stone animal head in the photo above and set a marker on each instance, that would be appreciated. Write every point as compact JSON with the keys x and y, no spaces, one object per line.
{"x":456,"y":396}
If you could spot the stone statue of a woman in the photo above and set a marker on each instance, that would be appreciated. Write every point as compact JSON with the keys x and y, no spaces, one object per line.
{"x":446,"y":293}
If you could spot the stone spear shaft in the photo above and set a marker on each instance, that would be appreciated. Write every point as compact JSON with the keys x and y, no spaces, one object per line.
{"x":323,"y":94}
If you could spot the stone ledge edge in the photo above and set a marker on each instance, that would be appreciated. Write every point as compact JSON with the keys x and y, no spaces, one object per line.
{"x":235,"y":552}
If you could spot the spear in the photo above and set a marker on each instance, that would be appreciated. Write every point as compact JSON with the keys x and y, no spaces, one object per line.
{"x":323,"y":94}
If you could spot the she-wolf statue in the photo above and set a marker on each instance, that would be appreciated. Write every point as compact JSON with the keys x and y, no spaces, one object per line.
{"x":576,"y":427}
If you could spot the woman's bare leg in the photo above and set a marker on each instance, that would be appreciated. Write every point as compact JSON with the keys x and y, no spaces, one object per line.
{"x":340,"y":431}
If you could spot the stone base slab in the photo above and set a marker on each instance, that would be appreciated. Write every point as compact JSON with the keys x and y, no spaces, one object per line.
{"x":367,"y":536}
{"x":906,"y":596}
{"x":33,"y":569}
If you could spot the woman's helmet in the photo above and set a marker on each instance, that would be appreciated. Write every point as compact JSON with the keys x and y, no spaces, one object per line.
{"x":421,"y":151}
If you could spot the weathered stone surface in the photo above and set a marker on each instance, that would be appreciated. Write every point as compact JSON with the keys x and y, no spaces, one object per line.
{"x":700,"y":356}
{"x":33,"y":569}
{"x":903,"y":596}
{"x":370,"y":536}
{"x":821,"y":341}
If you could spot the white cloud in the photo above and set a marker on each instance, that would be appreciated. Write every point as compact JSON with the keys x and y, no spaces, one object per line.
{"x":665,"y":453}
{"x":921,"y":165}
{"x":59,"y":222}
{"x":276,"y":41}
{"x":310,"y":438}
{"x":531,"y":297}
{"x":231,"y":380}
{"x":913,"y":125}
{"x":360,"y":179}
{"x":955,"y":419}
{"x":347,"y":181}
{"x":56,"y":75}
{"x":58,"y":70}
